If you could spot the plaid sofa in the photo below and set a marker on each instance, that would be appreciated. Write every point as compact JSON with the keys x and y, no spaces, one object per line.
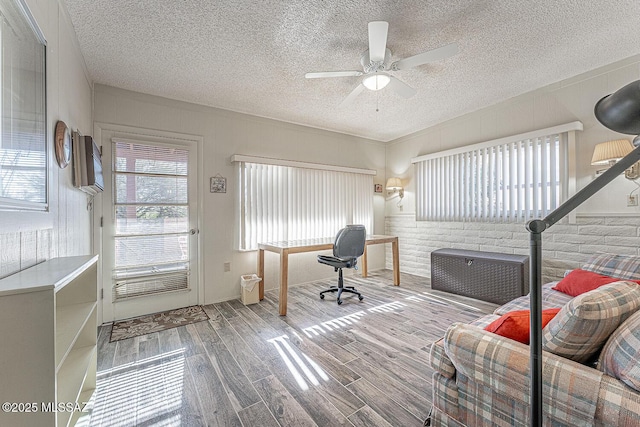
{"x":482,"y":379}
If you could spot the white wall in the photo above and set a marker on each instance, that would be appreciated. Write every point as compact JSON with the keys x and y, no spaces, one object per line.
{"x":565,"y":246}
{"x":28,"y":238}
{"x":226,"y":133}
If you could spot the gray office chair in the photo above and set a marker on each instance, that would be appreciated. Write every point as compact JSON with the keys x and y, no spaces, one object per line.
{"x":349,"y":245}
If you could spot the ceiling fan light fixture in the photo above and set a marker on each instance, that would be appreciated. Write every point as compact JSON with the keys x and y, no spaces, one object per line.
{"x":376,"y":81}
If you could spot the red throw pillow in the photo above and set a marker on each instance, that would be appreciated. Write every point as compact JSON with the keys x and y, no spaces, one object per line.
{"x":580,"y":281}
{"x":515,"y":324}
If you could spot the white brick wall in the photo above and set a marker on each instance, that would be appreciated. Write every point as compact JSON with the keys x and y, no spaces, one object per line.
{"x":564,"y":246}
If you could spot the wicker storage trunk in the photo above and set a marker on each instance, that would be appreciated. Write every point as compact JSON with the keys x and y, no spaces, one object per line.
{"x":488,"y":276}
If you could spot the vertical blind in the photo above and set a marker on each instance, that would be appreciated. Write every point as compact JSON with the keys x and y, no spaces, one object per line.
{"x":289,"y":203}
{"x":510,"y":181}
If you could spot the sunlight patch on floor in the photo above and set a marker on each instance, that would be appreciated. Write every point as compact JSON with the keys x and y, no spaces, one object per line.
{"x":445,"y":301}
{"x":290,"y":355}
{"x":147,"y":391}
{"x":350,"y":319}
{"x":388,"y":307}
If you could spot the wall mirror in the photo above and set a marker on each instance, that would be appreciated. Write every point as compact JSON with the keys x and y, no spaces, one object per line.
{"x":23,"y":121}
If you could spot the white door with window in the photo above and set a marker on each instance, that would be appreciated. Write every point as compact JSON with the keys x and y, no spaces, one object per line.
{"x":149,"y":233}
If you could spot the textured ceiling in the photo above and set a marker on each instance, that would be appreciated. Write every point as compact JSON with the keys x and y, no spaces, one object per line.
{"x":251,"y":56}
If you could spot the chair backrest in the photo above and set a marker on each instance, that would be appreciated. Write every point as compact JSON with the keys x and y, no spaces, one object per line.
{"x":350,"y":241}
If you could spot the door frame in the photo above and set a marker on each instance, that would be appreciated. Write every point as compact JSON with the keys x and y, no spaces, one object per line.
{"x":142,"y":134}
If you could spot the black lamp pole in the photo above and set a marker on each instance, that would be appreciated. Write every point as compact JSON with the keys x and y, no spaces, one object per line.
{"x":620,"y":112}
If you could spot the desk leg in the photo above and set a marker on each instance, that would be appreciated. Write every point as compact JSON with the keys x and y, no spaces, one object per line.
{"x":261,"y":273}
{"x":364,"y":262}
{"x":284,"y":281}
{"x":396,"y":262}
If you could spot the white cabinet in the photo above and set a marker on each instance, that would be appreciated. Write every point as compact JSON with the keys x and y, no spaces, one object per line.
{"x":48,"y":326}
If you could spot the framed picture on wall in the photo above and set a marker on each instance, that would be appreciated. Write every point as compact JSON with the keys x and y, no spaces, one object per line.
{"x":218,"y":184}
{"x":377,"y":188}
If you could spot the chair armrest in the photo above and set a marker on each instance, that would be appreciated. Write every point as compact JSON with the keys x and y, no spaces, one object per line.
{"x":570,"y":390}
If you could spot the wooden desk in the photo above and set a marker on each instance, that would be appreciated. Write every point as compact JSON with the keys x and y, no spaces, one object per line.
{"x":311,"y":245}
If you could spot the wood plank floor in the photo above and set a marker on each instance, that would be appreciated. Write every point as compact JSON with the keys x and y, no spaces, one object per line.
{"x":357,"y":364}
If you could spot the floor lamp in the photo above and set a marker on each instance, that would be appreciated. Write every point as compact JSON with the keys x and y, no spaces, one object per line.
{"x":619,"y":112}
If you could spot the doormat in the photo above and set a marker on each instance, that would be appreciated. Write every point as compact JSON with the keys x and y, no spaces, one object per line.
{"x":151,"y":323}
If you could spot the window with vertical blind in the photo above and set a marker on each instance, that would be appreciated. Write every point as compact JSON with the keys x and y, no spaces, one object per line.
{"x":510,"y":180}
{"x":292,"y":201}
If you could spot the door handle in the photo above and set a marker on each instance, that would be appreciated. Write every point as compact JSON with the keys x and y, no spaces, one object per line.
{"x":193,"y":231}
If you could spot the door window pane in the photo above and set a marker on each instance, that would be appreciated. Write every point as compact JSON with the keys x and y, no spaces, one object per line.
{"x":150,"y":189}
{"x":151,"y":219}
{"x":134,"y":219}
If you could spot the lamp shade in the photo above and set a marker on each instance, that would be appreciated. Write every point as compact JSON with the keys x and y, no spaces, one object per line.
{"x":376,"y":81}
{"x":394,"y":184}
{"x":620,"y":111}
{"x":605,"y":152}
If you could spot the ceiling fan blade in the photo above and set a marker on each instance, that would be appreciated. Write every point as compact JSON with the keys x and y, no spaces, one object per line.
{"x":322,"y":74}
{"x":377,"y":40}
{"x":354,"y":93}
{"x":401,"y":88}
{"x":425,"y":57}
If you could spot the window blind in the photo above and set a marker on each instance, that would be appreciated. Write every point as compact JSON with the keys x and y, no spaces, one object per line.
{"x":23,"y":123}
{"x":151,"y":219}
{"x":290,"y":203}
{"x":512,"y":179}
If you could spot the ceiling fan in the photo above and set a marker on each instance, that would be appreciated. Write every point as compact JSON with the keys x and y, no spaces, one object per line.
{"x":376,"y":63}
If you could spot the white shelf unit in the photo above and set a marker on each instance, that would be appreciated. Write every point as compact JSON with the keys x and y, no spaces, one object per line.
{"x":48,"y":340}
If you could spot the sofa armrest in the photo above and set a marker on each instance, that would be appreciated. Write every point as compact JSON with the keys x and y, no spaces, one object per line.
{"x":439,"y":360}
{"x":619,"y":405}
{"x":570,"y":390}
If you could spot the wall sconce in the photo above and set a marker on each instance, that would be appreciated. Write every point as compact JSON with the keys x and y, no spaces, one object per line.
{"x":394,"y":185}
{"x":610,"y":152}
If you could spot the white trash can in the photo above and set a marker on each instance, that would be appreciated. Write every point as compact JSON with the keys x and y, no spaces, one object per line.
{"x":250,"y":291}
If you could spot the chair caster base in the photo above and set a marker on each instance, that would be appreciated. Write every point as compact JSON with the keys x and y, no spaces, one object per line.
{"x":340,"y":290}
